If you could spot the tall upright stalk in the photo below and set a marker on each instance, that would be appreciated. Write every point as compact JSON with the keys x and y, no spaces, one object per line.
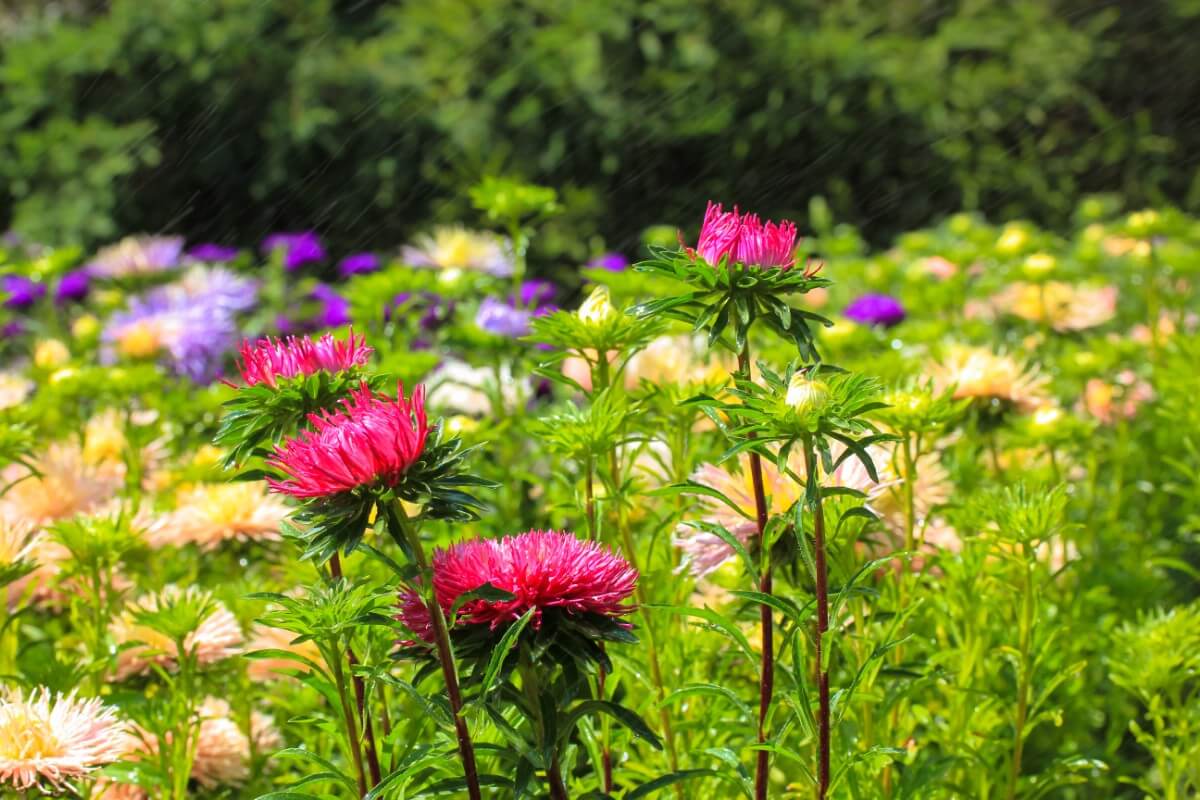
{"x":1023,"y":680}
{"x":441,"y":637}
{"x":360,"y":696}
{"x":602,"y":380}
{"x":766,"y":681}
{"x":822,"y":581}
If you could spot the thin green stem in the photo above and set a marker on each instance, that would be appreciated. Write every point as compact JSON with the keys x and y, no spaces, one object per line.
{"x":1024,"y":679}
{"x":822,"y":585}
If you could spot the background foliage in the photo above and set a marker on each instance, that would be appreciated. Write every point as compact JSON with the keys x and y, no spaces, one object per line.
{"x":231,"y":118}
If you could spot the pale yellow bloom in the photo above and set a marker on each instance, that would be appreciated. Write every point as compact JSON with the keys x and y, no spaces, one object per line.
{"x":211,"y":513}
{"x":14,"y":388}
{"x":1062,"y":306}
{"x":983,"y":375}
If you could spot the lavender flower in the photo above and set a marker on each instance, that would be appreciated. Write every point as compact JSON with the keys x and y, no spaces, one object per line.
{"x":358,"y":264}
{"x":536,"y":294}
{"x":299,"y":248}
{"x":214,"y":287}
{"x":20,"y":292}
{"x":192,"y":338}
{"x":613,"y":262}
{"x":435,"y":310}
{"x":213,"y":253}
{"x":876,"y":309}
{"x":501,"y":318}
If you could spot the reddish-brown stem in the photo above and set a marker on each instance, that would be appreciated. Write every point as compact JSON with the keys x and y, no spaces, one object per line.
{"x":822,"y":580}
{"x":766,"y":685}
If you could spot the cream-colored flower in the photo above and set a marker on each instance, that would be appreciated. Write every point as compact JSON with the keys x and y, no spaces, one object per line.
{"x":597,"y":309}
{"x":457,"y":248}
{"x":217,"y":637}
{"x":212,"y":513}
{"x":1062,"y":306}
{"x":67,"y":485}
{"x":983,"y":375}
{"x":14,"y":388}
{"x":47,"y":740}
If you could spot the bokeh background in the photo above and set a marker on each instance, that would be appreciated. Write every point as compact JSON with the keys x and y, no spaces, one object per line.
{"x":225,"y":120}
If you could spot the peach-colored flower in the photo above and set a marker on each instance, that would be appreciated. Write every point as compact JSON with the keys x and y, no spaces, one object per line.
{"x":1166,"y":328}
{"x":677,"y":360}
{"x":937,"y":267}
{"x":268,"y":638}
{"x":17,"y":541}
{"x":217,"y":637}
{"x":67,"y":485}
{"x":980,"y":374}
{"x":49,"y":739}
{"x":14,"y":388}
{"x":1109,"y":402}
{"x":223,"y":748}
{"x":1062,"y":306}
{"x":705,"y":552}
{"x":213,"y":513}
{"x":931,"y":489}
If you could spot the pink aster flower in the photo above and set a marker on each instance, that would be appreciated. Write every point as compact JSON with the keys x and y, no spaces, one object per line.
{"x":371,"y":440}
{"x":541,"y":569}
{"x":744,"y":238}
{"x":54,"y":740}
{"x":268,"y":359}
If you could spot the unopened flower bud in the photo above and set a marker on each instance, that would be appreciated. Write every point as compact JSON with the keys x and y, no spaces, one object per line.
{"x":598,"y":308}
{"x":1039,"y":265}
{"x":51,"y":354}
{"x":805,"y":395}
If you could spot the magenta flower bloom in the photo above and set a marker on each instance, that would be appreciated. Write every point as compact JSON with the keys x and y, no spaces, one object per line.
{"x":370,"y":441}
{"x":541,"y":569}
{"x":266,"y":360}
{"x":20,"y":292}
{"x":876,"y":309}
{"x":213,"y":253}
{"x":744,"y":238}
{"x":298,"y":248}
{"x":358,"y":264}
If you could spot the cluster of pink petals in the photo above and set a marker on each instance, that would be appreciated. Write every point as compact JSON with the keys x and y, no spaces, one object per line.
{"x":745,"y":238}
{"x":268,"y":359}
{"x":55,"y":739}
{"x":370,"y":440}
{"x":541,"y":569}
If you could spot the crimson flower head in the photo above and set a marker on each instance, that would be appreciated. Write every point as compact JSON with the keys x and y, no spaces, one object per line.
{"x":268,"y":359}
{"x":369,"y":441}
{"x":540,"y":569}
{"x":744,"y":238}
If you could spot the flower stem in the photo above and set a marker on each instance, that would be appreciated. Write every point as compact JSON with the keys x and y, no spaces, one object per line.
{"x":822,"y":581}
{"x":766,"y":685}
{"x":1024,"y":678}
{"x":441,"y":636}
{"x":360,"y":694}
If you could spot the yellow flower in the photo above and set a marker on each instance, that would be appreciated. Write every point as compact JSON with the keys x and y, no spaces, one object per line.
{"x":1039,"y":265}
{"x":1013,"y":239}
{"x":209,"y":514}
{"x":1062,"y":306}
{"x":85,"y":327}
{"x":14,"y":388}
{"x":104,"y":440}
{"x":141,"y":339}
{"x":50,"y":353}
{"x":806,"y":396}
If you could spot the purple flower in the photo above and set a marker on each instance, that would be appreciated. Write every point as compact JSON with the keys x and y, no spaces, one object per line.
{"x":73,"y":286}
{"x":12,"y":329}
{"x":213,"y":253}
{"x":192,"y":337}
{"x":335,"y":309}
{"x":20,"y":292}
{"x":299,"y":248}
{"x":535,"y":294}
{"x":435,"y":310}
{"x":613,"y":262}
{"x":358,"y":264}
{"x":876,"y":309}
{"x":502,"y":318}
{"x":214,"y":287}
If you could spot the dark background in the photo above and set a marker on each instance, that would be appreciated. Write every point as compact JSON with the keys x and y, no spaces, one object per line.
{"x":228,"y":119}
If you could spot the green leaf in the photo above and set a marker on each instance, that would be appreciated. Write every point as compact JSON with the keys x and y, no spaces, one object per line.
{"x":648,"y":788}
{"x":714,"y":619}
{"x":501,"y":651}
{"x":625,"y":716}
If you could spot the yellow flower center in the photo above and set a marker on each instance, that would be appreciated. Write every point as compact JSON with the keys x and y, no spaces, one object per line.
{"x":140,"y":339}
{"x":25,"y":737}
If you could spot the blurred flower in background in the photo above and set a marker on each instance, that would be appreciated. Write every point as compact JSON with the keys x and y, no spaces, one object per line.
{"x":876,"y":309}
{"x":460,"y":249}
{"x":303,"y":247}
{"x":136,"y":256}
